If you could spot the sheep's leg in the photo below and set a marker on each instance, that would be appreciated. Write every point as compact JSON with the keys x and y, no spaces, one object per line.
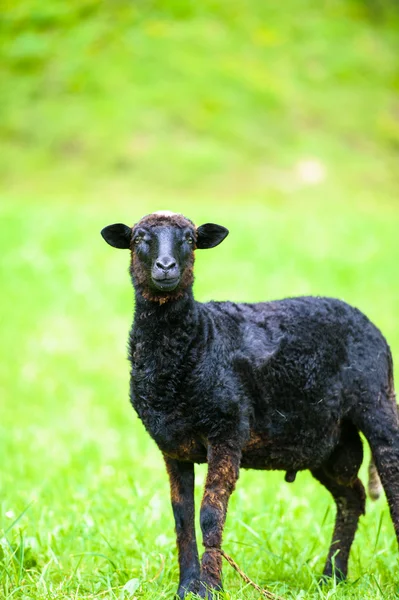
{"x":223,"y":470}
{"x":339,"y":475}
{"x":350,"y":500}
{"x":381,"y":428}
{"x":386,"y":456}
{"x":181,"y":477}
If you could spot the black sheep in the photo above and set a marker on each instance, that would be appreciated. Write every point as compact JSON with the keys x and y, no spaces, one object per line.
{"x":287,"y":384}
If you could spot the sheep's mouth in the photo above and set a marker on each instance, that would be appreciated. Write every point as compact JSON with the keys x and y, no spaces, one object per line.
{"x":166,"y":284}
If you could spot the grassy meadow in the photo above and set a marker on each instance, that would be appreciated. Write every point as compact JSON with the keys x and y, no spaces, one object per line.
{"x":279,"y":122}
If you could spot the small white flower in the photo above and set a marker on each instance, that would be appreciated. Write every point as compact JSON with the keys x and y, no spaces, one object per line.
{"x":310,"y":171}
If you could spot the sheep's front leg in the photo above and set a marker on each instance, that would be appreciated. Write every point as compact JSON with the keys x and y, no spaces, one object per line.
{"x":223,"y":469}
{"x":181,"y":477}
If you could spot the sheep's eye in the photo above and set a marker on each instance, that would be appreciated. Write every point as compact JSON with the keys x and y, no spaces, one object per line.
{"x":189,"y":240}
{"x":137,"y":241}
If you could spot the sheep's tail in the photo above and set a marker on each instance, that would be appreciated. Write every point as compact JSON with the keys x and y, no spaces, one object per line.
{"x":374,"y":485}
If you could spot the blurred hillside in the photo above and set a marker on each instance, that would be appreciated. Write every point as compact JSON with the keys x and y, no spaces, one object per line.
{"x":270,"y":100}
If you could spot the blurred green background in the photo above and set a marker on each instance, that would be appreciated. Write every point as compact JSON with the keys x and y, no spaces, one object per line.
{"x":278,"y":120}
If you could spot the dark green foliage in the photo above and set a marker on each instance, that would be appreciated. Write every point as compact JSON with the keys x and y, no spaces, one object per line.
{"x":120,"y":85}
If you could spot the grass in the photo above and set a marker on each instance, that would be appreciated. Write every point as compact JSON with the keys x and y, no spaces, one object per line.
{"x":84,"y":494}
{"x":278,"y":122}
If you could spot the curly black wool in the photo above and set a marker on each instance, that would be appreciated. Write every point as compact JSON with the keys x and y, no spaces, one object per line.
{"x":287,"y":385}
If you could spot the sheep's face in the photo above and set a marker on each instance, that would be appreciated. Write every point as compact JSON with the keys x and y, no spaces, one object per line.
{"x":162,"y":258}
{"x":162,"y":252}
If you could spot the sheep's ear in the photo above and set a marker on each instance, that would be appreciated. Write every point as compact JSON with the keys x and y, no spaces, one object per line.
{"x":117,"y":235}
{"x":210,"y":235}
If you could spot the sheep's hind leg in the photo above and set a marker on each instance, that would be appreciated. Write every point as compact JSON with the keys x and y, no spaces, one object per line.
{"x":381,"y":428}
{"x":350,"y":501}
{"x":181,"y":477}
{"x":339,"y":475}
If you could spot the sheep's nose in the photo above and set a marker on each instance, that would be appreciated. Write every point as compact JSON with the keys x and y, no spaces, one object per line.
{"x":166,"y":263}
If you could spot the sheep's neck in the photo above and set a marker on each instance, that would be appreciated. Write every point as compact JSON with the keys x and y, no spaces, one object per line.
{"x":154,"y":318}
{"x":161,"y":342}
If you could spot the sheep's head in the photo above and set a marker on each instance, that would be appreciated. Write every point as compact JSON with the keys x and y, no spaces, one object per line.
{"x":162,"y":248}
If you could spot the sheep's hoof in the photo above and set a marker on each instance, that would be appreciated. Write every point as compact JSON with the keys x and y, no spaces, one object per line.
{"x":209,"y":592}
{"x":331,"y":575}
{"x":190,"y":587}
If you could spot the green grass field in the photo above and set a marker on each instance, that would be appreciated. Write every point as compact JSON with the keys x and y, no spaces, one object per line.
{"x":280,"y":123}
